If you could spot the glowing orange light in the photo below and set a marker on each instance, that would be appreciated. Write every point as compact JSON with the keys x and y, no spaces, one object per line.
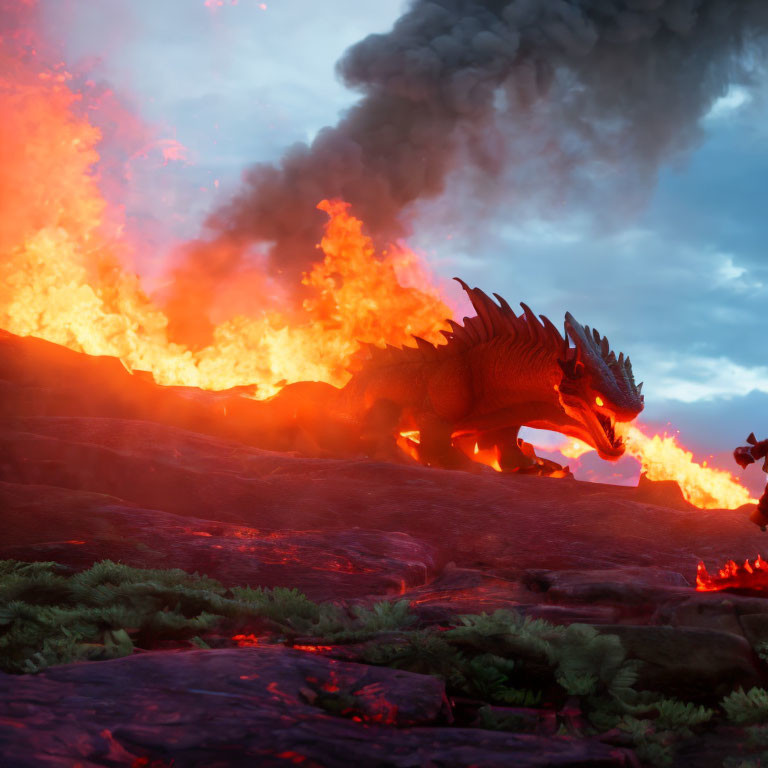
{"x":663,"y":459}
{"x":246,"y":641}
{"x":752,"y":575}
{"x":312,"y":648}
{"x":61,"y":279}
{"x":488,"y":456}
{"x":408,"y":442}
{"x":599,"y":401}
{"x":573,"y":448}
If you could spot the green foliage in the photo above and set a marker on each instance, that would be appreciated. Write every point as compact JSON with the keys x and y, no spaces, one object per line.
{"x":48,"y":615}
{"x":423,"y":652}
{"x":51,"y":615}
{"x":761,"y":649}
{"x":746,"y":708}
{"x":652,"y":747}
{"x":580,"y":660}
{"x":680,"y":715}
{"x":384,"y":616}
{"x":588,"y":662}
{"x":279,"y":604}
{"x":488,"y":676}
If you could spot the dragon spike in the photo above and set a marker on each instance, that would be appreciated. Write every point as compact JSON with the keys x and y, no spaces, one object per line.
{"x":457,"y":332}
{"x":640,"y":388}
{"x":549,"y":326}
{"x":466,"y":288}
{"x":423,"y":345}
{"x":484,"y":307}
{"x":533,"y":323}
{"x":566,"y":344}
{"x":505,"y":308}
{"x":470,"y":330}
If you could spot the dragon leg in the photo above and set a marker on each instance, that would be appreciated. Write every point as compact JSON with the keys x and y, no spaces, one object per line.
{"x":436,"y":447}
{"x":378,"y":431}
{"x":515,"y":455}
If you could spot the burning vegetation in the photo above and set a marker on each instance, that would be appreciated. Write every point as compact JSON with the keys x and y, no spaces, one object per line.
{"x":62,"y":278}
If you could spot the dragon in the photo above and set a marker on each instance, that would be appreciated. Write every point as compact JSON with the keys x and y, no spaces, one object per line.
{"x":498,"y":372}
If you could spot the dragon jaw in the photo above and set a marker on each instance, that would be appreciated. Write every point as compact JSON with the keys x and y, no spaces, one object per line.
{"x":594,"y":426}
{"x":596,"y":391}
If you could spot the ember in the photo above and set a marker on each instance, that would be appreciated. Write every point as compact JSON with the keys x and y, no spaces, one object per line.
{"x":749,"y":576}
{"x":312,"y":648}
{"x":246,"y":641}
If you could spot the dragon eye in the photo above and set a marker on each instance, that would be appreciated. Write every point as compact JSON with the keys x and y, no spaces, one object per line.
{"x":599,"y":401}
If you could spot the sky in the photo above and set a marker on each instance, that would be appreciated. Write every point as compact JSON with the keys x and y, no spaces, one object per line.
{"x":677,"y":278}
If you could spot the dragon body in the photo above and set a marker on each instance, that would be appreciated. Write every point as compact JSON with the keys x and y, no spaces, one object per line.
{"x":497,"y":372}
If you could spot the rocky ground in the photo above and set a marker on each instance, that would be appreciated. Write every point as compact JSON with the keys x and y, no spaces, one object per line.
{"x":98,"y":464}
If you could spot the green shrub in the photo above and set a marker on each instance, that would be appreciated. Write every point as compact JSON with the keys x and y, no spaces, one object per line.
{"x":747,"y":708}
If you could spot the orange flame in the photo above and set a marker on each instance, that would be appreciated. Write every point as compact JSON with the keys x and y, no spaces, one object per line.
{"x":572,"y":448}
{"x":662,"y":458}
{"x":704,"y":487}
{"x":61,"y":277}
{"x":487,"y":456}
{"x":752,"y":575}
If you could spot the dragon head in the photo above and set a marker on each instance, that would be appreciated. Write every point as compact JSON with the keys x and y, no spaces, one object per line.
{"x":596,"y":390}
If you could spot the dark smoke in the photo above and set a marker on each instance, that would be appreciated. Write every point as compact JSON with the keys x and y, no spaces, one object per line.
{"x":622,"y":83}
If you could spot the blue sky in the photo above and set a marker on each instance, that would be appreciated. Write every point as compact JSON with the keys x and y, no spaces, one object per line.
{"x":678,"y":279}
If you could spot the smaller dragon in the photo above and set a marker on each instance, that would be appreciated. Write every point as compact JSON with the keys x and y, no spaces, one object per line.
{"x":749,"y":454}
{"x":498,"y":372}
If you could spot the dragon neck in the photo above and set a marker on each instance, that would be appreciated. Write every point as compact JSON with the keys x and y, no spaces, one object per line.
{"x":507,"y":372}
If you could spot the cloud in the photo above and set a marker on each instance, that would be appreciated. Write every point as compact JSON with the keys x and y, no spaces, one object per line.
{"x":690,"y":379}
{"x":731,"y":101}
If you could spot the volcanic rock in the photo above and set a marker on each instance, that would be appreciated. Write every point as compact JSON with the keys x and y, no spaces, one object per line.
{"x":254,"y":706}
{"x":97,"y":463}
{"x":692,"y":664}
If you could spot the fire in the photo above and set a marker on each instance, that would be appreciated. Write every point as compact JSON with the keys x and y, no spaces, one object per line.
{"x":752,"y":575}
{"x":62,"y":279}
{"x":704,"y":487}
{"x":573,"y":448}
{"x":61,"y":275}
{"x":246,"y":641}
{"x":408,"y":442}
{"x":487,"y":456}
{"x":662,"y":458}
{"x":312,"y":648}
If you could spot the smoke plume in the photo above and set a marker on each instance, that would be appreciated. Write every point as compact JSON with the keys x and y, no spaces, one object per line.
{"x":621,"y":85}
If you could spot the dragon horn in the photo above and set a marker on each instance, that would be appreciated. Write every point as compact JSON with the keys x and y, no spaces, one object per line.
{"x":752,"y":440}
